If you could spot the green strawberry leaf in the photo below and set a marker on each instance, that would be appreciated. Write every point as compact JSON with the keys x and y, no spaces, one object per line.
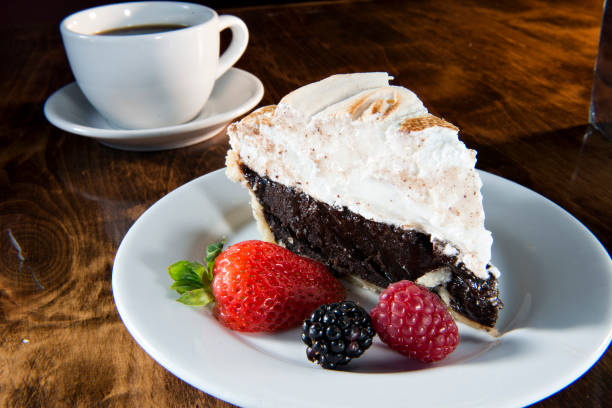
{"x":197,"y":297}
{"x":212,"y":252}
{"x":185,"y":285}
{"x":186,"y":270}
{"x":192,"y":280}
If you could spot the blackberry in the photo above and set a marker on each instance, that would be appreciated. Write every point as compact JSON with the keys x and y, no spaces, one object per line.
{"x":337,"y":333}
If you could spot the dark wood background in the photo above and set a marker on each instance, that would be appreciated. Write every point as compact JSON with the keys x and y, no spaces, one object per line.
{"x":515,"y":76}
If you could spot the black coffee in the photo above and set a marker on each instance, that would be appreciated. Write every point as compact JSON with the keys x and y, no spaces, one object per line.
{"x":142,"y":29}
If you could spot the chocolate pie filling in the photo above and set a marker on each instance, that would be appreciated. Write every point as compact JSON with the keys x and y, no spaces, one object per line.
{"x":376,"y":252}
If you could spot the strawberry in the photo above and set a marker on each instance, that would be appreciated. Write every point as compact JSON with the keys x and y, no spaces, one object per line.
{"x":256,"y":285}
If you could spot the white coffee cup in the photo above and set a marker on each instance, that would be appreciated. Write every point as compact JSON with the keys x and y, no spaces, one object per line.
{"x":150,"y":80}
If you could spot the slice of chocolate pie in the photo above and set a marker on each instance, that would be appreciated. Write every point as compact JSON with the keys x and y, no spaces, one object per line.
{"x":356,"y":174}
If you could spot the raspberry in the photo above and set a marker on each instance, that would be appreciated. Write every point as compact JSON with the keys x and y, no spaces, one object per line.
{"x":413,"y":321}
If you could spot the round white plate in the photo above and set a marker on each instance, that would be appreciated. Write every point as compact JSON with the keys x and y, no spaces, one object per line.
{"x":235,"y":93}
{"x":556,"y":284}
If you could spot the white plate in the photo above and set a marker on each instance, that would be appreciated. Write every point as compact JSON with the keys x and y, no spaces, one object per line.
{"x":556,"y":284}
{"x":235,"y":93}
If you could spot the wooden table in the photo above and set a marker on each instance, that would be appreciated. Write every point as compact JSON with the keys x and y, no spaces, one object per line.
{"x":515,"y":76}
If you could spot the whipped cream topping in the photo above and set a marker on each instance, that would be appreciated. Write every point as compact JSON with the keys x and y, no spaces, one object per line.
{"x":314,"y":97}
{"x":354,"y":141}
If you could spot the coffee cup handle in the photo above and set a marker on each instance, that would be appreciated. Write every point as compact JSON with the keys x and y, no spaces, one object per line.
{"x":240,"y":38}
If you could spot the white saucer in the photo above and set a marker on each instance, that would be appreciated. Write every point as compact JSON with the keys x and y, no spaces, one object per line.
{"x":234,"y":94}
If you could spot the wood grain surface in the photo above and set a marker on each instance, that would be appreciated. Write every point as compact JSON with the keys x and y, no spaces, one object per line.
{"x":514,"y":76}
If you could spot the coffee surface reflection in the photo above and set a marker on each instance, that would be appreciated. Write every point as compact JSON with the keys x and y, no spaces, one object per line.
{"x":142,"y":29}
